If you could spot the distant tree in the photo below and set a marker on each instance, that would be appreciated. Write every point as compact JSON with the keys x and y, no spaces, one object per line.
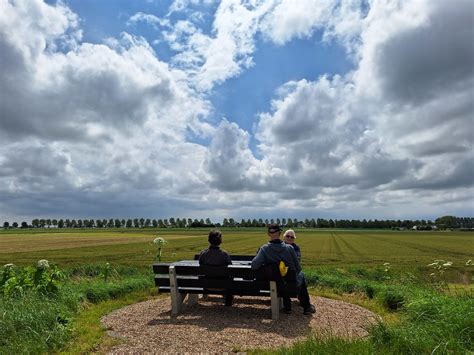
{"x":79,"y":223}
{"x":225,"y":222}
{"x":306,"y":223}
{"x":123,"y":223}
{"x":117,"y":223}
{"x":208,"y":221}
{"x":172,"y":222}
{"x":283,"y":222}
{"x":6,"y":225}
{"x":35,"y":223}
{"x":136,"y":223}
{"x":110,"y":223}
{"x":55,"y":222}
{"x":129,"y":223}
{"x":61,"y":223}
{"x":147,"y":222}
{"x":15,"y":225}
{"x":42,"y":223}
{"x":24,"y":225}
{"x":48,"y":222}
{"x":189,"y":222}
{"x":446,"y":222}
{"x":73,"y":223}
{"x":154,"y":223}
{"x":99,"y":223}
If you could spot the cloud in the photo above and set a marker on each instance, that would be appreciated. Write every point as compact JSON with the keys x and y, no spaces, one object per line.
{"x":110,"y":127}
{"x":150,"y":19}
{"x":81,"y":118}
{"x":398,"y":123}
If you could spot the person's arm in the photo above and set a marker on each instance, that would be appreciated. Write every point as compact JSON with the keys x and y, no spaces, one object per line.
{"x":228,"y":259}
{"x":295,"y":260}
{"x":259,"y":260}
{"x":201,"y":257}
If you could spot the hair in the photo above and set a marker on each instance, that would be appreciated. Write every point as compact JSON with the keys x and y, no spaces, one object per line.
{"x":288,"y":232}
{"x":215,"y":237}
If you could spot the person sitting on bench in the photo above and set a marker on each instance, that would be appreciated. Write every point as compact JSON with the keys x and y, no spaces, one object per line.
{"x":275,"y":251}
{"x":214,"y":256}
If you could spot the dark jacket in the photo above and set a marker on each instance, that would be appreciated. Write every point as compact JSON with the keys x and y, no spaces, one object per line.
{"x":214,"y":256}
{"x":297,"y":250}
{"x":274,"y":252}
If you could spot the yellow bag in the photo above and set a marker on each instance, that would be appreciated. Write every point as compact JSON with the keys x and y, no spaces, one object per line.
{"x":283,"y":268}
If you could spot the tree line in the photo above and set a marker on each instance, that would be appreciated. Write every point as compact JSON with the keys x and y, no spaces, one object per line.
{"x":441,"y":222}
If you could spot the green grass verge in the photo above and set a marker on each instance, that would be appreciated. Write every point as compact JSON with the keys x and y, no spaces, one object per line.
{"x":88,"y":334}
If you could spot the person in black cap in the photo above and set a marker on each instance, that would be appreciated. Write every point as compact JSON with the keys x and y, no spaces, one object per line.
{"x":275,"y":251}
{"x":214,"y":256}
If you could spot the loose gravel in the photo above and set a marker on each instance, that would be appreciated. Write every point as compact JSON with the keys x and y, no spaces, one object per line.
{"x":210,"y":327}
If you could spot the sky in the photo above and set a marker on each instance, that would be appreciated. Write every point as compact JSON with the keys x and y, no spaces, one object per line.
{"x":241,"y":109}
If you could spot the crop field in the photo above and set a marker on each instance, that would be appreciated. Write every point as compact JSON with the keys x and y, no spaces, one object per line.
{"x":403,"y":249}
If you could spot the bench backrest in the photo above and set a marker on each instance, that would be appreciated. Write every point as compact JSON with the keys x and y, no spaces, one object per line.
{"x":238,"y":278}
{"x":234,"y":257}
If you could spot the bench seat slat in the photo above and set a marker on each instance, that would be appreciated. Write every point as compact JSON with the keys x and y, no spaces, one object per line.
{"x":236,"y":286}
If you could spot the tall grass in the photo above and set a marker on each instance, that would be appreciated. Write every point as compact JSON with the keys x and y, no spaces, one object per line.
{"x":432,"y":320}
{"x":38,"y":323}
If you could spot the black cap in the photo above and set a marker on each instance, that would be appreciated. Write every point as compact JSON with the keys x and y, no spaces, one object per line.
{"x":272,"y":228}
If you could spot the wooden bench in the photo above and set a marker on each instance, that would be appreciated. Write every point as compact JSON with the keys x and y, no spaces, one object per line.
{"x":188,"y":278}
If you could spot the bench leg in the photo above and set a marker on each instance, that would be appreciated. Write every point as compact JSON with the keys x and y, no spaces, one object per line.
{"x":176,"y":297}
{"x":275,"y":300}
{"x":193,"y":299}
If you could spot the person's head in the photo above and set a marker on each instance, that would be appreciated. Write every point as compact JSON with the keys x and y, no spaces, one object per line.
{"x":289,"y":236}
{"x":274,"y":231}
{"x":215,"y":237}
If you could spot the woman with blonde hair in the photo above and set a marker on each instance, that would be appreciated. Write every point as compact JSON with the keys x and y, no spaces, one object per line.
{"x":289,"y":237}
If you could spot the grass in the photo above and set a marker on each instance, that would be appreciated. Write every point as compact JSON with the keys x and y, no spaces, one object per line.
{"x":343,"y":264}
{"x":88,"y":334}
{"x":37,"y":323}
{"x":405,"y":250}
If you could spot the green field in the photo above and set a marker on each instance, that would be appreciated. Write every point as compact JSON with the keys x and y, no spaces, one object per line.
{"x":404,"y":249}
{"x":424,"y":309}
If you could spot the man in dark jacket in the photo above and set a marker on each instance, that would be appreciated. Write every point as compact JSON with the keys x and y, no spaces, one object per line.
{"x":214,"y":256}
{"x":275,"y":251}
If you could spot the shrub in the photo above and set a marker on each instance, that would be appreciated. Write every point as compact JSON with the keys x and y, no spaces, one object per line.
{"x":393,"y":299}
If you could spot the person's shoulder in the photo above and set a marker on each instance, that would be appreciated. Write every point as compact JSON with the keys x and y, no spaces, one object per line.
{"x":224,"y":252}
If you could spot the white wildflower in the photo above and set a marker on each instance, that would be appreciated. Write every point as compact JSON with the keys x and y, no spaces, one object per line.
{"x":386,"y":264}
{"x":43,"y":264}
{"x":469,"y":262}
{"x":159,"y":242}
{"x":8,"y":266}
{"x":447,"y":264}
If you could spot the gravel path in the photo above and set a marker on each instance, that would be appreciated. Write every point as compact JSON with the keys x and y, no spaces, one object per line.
{"x":210,"y":327}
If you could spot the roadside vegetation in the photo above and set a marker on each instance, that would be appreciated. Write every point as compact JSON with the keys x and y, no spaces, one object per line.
{"x":427,"y":305}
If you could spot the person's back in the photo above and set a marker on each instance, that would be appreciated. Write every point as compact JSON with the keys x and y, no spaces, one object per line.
{"x":214,"y":256}
{"x":275,"y":251}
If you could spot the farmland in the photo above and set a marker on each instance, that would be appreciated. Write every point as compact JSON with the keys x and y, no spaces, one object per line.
{"x":403,"y":249}
{"x":347,"y":264}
